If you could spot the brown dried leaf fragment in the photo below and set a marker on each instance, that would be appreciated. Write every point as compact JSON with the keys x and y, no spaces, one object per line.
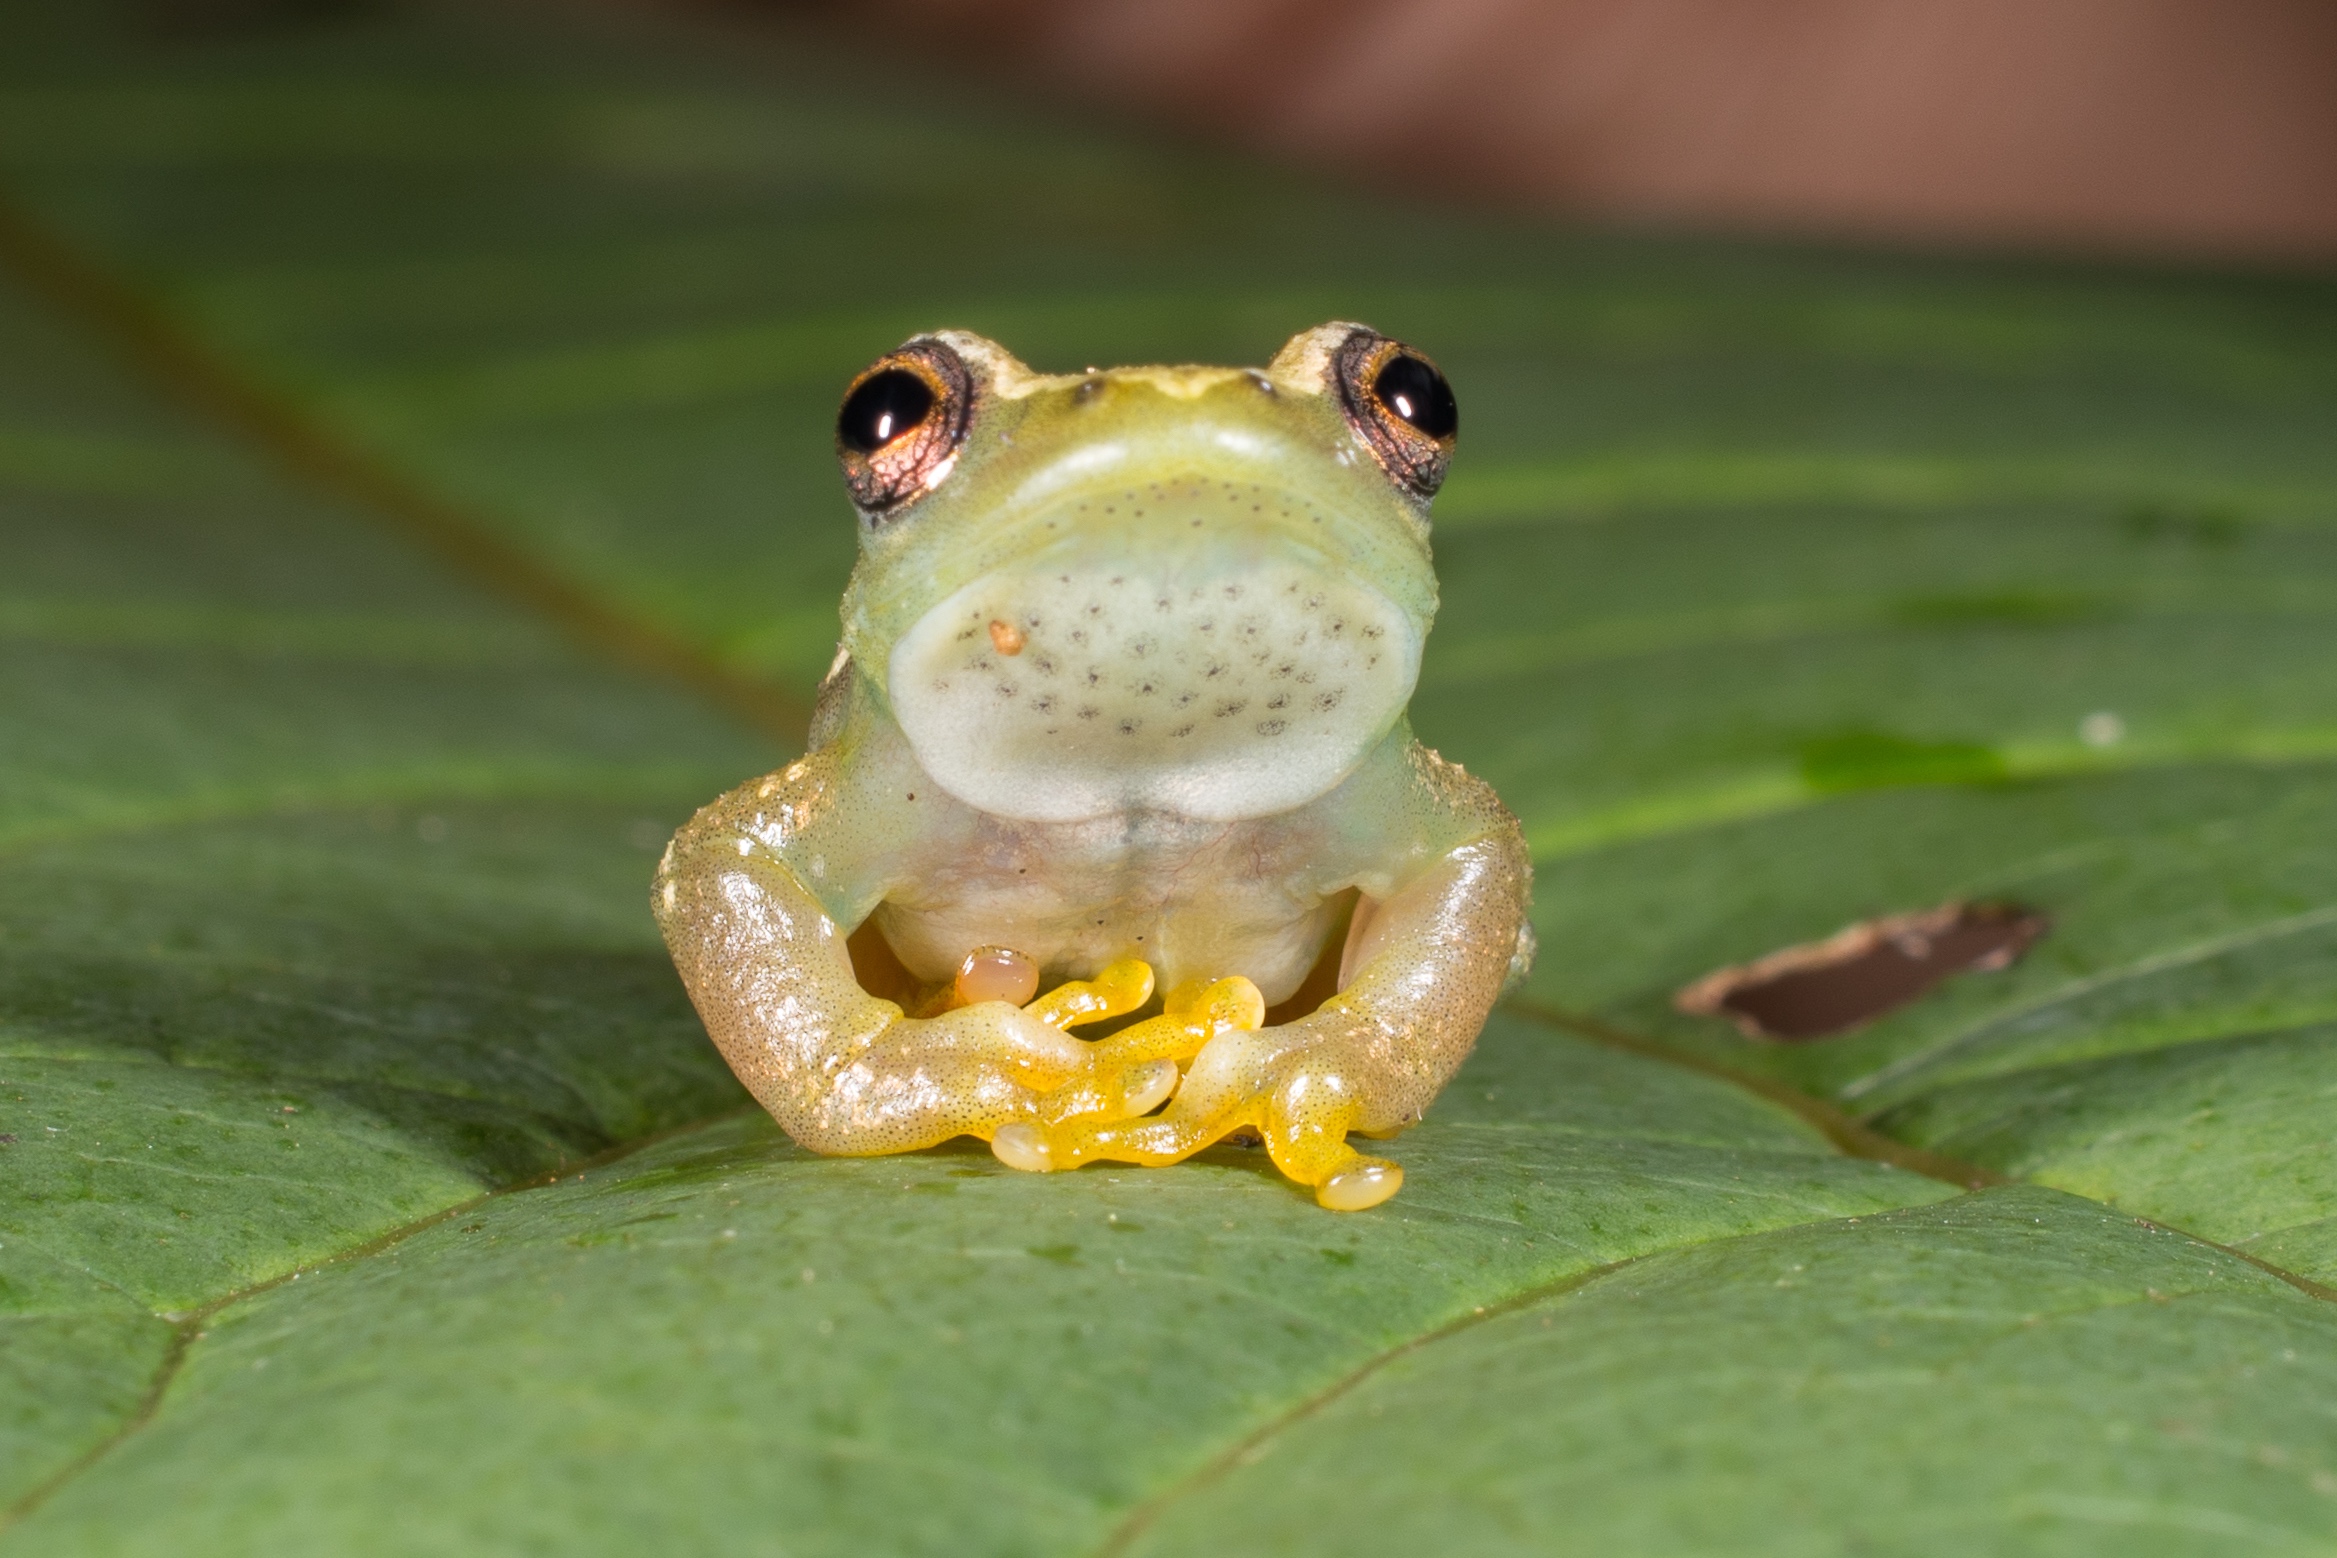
{"x":1823,"y":988}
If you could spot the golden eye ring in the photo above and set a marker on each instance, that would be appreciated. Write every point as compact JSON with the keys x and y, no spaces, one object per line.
{"x":1399,"y":403}
{"x":901,"y":424}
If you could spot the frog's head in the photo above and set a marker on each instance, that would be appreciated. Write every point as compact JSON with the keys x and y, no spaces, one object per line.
{"x":1200,"y":590}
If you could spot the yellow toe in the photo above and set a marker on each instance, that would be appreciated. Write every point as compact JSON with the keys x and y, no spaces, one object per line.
{"x":1149,"y":1087}
{"x":1023,"y":1147}
{"x":1118,"y":990}
{"x":1366,"y":1185}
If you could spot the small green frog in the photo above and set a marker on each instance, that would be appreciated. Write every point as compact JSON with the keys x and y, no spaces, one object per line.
{"x":1119,"y":709}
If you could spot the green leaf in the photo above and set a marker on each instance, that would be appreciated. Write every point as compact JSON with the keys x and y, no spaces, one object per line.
{"x":321,"y":908}
{"x":1955,"y":1379}
{"x":1869,"y":759}
{"x":2163,"y":1049}
{"x":725,"y":1330}
{"x":2227,"y":1137}
{"x":409,"y":416}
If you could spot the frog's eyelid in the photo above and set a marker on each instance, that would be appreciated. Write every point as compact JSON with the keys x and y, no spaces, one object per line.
{"x":998,"y":370}
{"x":1307,"y":360}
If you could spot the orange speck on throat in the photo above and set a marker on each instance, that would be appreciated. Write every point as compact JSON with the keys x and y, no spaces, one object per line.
{"x":1005,"y":637}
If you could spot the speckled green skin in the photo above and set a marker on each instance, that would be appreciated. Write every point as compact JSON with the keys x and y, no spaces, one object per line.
{"x":1193,"y":753}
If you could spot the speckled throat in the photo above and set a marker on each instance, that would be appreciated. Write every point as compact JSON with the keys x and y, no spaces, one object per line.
{"x":1226,"y":676}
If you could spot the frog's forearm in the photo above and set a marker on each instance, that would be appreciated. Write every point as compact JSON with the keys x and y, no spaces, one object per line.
{"x":1424,"y":973}
{"x":841,"y":1071}
{"x":1425,"y":963}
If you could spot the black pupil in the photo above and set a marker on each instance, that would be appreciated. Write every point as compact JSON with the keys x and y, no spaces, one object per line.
{"x":1417,"y":393}
{"x":885,"y":406}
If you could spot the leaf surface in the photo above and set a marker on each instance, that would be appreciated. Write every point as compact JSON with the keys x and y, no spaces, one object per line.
{"x":367,"y":1186}
{"x":2003,"y":1329}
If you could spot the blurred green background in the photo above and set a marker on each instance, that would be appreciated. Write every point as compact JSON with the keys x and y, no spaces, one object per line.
{"x":416,"y":495}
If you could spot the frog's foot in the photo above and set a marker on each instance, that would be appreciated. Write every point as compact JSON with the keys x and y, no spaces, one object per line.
{"x":1290,"y":1091}
{"x":979,"y":1060}
{"x":1135,"y":1070}
{"x":1192,"y":1016}
{"x":1314,"y":1154}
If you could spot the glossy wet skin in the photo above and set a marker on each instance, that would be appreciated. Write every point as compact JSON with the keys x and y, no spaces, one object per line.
{"x":1120,"y":704}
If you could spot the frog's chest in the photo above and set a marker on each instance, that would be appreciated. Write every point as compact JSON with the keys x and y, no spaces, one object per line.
{"x":1194,"y":899}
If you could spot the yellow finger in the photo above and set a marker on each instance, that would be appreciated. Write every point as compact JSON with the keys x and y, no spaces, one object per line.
{"x":1118,"y":990}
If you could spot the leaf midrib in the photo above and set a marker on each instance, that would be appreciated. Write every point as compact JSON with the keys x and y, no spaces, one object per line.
{"x":190,"y":1324}
{"x":167,"y":352}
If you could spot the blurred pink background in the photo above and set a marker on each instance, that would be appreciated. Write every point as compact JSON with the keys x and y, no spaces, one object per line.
{"x":2170,"y":126}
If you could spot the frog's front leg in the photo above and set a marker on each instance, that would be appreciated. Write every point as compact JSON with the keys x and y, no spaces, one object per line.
{"x":842,"y":1071}
{"x":1421,"y":976}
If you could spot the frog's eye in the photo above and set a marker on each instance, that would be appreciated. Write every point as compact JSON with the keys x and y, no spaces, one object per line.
{"x":1411,"y":388}
{"x":884,"y":407}
{"x":901,"y":424}
{"x":1401,"y":405}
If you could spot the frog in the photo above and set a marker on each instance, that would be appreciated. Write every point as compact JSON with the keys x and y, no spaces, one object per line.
{"x":1117,"y":737}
